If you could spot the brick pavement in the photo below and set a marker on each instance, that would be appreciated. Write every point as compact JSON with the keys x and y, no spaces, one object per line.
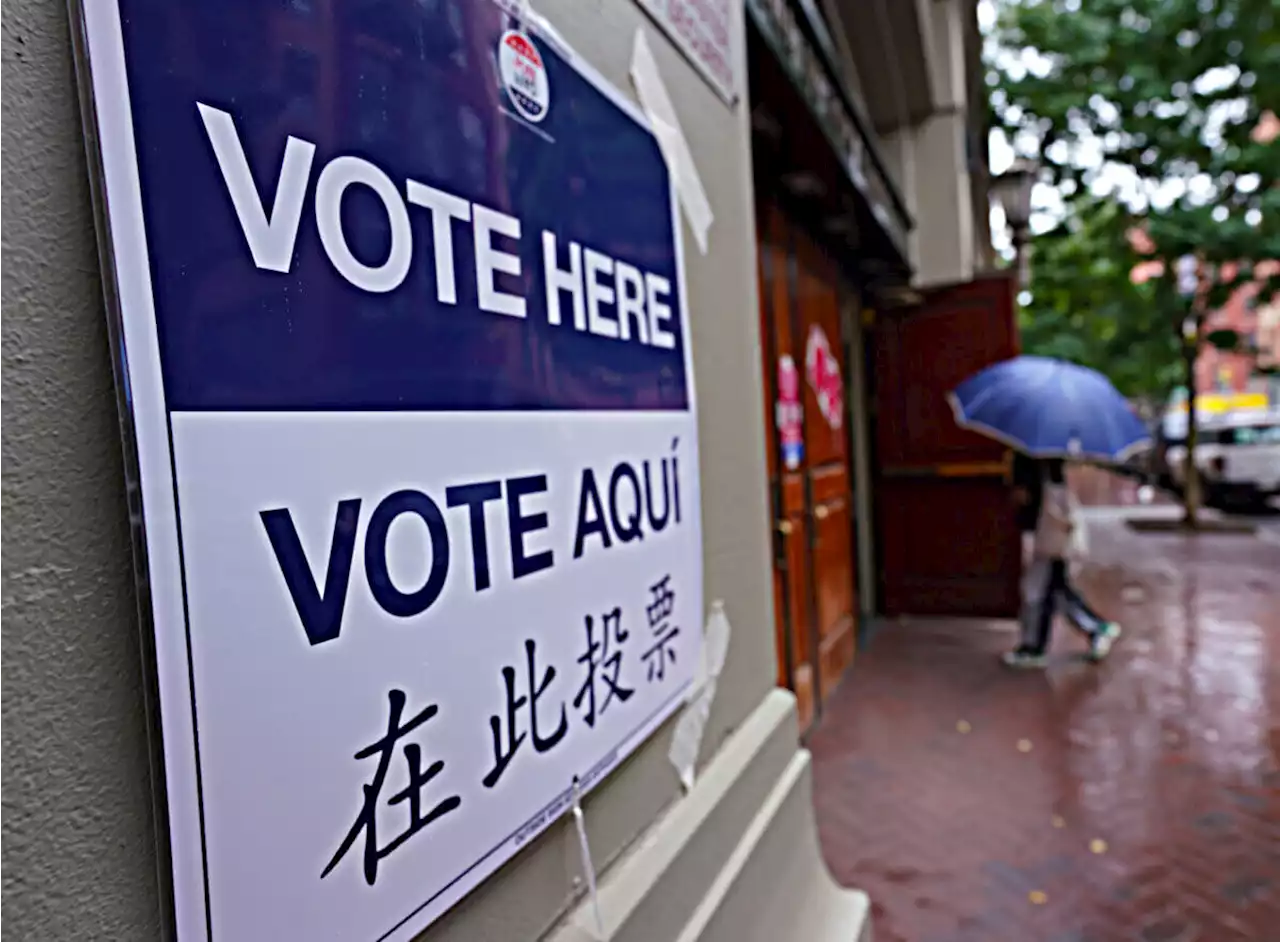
{"x":1169,"y":754}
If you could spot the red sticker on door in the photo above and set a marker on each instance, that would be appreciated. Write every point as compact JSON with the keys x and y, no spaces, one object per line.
{"x":823,"y":372}
{"x":789,"y":414}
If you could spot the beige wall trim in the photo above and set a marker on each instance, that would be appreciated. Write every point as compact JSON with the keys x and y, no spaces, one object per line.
{"x":780,"y":887}
{"x":685,"y":879}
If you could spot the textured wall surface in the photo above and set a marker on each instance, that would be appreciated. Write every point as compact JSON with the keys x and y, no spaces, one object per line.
{"x":79,"y":856}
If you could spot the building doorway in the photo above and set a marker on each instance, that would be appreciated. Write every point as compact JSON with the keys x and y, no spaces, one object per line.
{"x":807,"y":372}
{"x":830,"y":223}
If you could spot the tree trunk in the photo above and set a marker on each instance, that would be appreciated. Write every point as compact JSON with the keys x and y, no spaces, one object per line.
{"x":1191,"y":471}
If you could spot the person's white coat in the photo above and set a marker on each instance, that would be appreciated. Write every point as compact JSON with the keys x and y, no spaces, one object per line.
{"x":1059,"y":534}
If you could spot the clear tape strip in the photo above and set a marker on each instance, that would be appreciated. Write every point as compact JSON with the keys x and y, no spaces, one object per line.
{"x":580,"y":823}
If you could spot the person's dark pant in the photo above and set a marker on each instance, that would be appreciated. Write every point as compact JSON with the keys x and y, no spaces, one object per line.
{"x":1058,"y":587}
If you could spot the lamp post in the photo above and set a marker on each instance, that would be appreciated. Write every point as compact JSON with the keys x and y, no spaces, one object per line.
{"x":1187,"y":279}
{"x":1012,"y":191}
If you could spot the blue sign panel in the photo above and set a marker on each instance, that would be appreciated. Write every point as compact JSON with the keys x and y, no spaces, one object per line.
{"x":407,"y":361}
{"x":409,"y":95}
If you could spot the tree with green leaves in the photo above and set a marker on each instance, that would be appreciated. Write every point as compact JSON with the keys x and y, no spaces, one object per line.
{"x":1156,"y":105}
{"x":1084,"y":306}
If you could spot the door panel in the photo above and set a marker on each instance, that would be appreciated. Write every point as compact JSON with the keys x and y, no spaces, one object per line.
{"x":947,"y":549}
{"x":827,"y":443}
{"x":818,"y":309}
{"x":802,"y":647}
{"x":927,"y":351}
{"x":833,"y":547}
{"x":833,"y":527}
{"x":947,"y":527}
{"x":787,"y":492}
{"x":813,"y":560}
{"x":834,"y":588}
{"x":839,"y":647}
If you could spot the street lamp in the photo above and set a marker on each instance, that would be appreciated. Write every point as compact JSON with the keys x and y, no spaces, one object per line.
{"x":1012,"y":191}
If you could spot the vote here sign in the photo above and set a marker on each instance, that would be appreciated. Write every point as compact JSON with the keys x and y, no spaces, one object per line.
{"x":405,"y":356}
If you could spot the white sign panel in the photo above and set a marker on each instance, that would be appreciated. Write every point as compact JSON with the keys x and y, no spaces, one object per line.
{"x":406,"y":358}
{"x":703,"y":30}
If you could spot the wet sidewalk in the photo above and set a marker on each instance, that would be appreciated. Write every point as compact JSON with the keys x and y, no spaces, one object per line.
{"x":1138,"y":801}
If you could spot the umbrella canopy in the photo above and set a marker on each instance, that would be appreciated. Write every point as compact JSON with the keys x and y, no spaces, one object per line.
{"x":1050,"y":409}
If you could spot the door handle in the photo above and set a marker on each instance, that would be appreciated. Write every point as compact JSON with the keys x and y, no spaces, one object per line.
{"x":821,"y":512}
{"x":785,"y":527}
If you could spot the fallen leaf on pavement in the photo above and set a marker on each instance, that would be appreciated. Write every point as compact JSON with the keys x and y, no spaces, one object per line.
{"x":1098,"y":845}
{"x":1038,"y":897}
{"x":1024,"y":745}
{"x":963,"y":726}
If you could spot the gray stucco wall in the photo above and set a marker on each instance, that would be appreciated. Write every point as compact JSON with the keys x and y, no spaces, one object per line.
{"x":79,"y":856}
{"x":78,"y":837}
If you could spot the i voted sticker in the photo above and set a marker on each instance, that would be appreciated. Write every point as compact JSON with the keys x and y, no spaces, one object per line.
{"x":524,"y":76}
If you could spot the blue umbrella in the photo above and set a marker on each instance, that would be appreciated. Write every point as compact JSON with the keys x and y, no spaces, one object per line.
{"x":1050,"y":409}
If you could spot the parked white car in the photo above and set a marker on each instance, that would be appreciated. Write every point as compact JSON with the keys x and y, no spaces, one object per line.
{"x":1238,"y":456}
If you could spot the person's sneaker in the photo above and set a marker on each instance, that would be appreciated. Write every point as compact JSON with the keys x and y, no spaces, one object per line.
{"x":1024,"y":659}
{"x":1100,"y":644}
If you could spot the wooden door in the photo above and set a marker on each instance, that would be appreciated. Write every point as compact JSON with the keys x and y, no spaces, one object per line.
{"x":812,"y":500}
{"x":947,"y":526}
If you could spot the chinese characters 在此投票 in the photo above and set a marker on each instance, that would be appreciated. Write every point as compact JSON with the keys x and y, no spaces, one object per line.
{"x":517,"y":724}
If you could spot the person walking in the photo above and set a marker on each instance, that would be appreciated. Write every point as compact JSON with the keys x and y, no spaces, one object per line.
{"x":1057,"y":542}
{"x":1028,"y":484}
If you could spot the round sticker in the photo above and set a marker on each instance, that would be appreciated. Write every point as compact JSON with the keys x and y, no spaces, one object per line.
{"x":824,"y":377}
{"x":523,"y":75}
